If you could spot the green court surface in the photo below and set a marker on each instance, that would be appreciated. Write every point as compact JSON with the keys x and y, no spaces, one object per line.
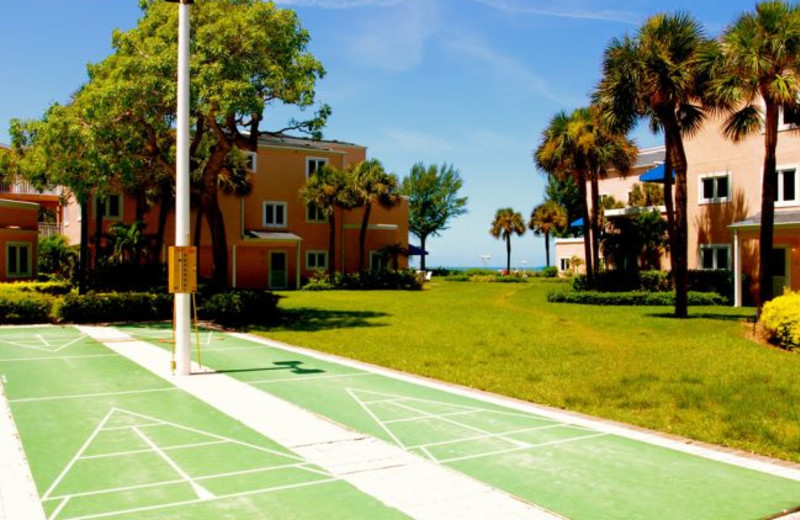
{"x":576,"y":471}
{"x":107,"y":439}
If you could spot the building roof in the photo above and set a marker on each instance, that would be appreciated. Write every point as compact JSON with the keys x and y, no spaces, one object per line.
{"x":650,"y":156}
{"x":782,"y":219}
{"x":302,"y":142}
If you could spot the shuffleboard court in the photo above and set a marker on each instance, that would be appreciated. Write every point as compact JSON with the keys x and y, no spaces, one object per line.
{"x":105,"y":438}
{"x":575,"y":470}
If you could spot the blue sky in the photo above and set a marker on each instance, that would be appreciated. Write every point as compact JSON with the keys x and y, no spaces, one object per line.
{"x":467,"y":82}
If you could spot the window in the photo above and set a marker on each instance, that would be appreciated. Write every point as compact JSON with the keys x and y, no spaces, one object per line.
{"x":787,"y":187}
{"x":274,"y":214}
{"x":316,"y":259}
{"x":714,"y":188}
{"x":377,"y":261}
{"x":563,"y":264}
{"x":111,"y":206}
{"x":715,"y":256}
{"x":18,"y":259}
{"x":313,"y":164}
{"x":251,"y":161}
{"x":315,"y":214}
{"x":788,"y":118}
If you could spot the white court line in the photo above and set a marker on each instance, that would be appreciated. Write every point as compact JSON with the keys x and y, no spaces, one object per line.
{"x":596,"y":424}
{"x":491,"y":436}
{"x":62,"y":347}
{"x":59,"y":508}
{"x":46,"y":344}
{"x":57,"y":358}
{"x":30,"y":347}
{"x":84,"y":396}
{"x":129,"y":426}
{"x":425,"y":417}
{"x":208,"y":341}
{"x":134,"y":452}
{"x":378,"y":421}
{"x":530,"y":446}
{"x":202,"y":493}
{"x":306,"y":378}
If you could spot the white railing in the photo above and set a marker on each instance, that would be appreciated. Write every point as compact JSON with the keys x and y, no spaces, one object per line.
{"x":24,"y":187}
{"x":47,"y":229}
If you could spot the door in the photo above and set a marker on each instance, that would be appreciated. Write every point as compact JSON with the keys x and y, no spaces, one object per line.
{"x":278,"y":271}
{"x":780,"y":270}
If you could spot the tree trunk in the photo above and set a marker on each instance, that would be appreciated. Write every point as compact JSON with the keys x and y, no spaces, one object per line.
{"x":332,"y":243}
{"x":508,"y":253}
{"x":423,"y":255}
{"x":141,"y":204}
{"x":595,"y":222}
{"x":769,"y":189}
{"x":98,"y":228}
{"x":678,"y":228}
{"x":198,"y":232}
{"x":547,"y":248}
{"x":219,"y":243}
{"x":163,"y":213}
{"x":83,"y":258}
{"x":362,"y":236}
{"x":587,"y":244}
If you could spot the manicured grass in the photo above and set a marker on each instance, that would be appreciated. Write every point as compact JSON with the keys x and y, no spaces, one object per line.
{"x":698,"y":378}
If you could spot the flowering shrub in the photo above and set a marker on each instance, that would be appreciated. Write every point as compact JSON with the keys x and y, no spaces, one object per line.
{"x":781,"y":319}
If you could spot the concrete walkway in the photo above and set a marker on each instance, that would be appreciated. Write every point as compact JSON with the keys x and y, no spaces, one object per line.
{"x":417,"y":487}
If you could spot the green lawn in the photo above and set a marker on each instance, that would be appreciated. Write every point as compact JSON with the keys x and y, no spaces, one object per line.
{"x":699,"y":378}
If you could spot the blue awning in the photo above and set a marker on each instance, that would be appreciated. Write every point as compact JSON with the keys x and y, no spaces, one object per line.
{"x":655,"y":174}
{"x":577,"y":223}
{"x":416,"y":251}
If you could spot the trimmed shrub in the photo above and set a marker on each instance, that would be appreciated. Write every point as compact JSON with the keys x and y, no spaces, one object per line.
{"x":110,"y":307}
{"x":406,"y":280}
{"x":239,"y":307}
{"x":550,"y":272}
{"x":716,"y":281}
{"x":781,"y":319}
{"x":58,"y":287}
{"x":655,"y":281}
{"x":480,"y":272}
{"x":443,"y":271}
{"x":25,"y":307}
{"x":631,"y":298}
{"x":509,"y":279}
{"x":457,"y":278}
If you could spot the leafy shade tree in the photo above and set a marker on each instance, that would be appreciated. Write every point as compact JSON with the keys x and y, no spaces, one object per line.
{"x":507,"y":222}
{"x":758,"y":60}
{"x":433,"y":200}
{"x":326,"y":189}
{"x":637,"y":241}
{"x":564,"y":192}
{"x":369,"y":184}
{"x":548,"y":219}
{"x":658,"y":75}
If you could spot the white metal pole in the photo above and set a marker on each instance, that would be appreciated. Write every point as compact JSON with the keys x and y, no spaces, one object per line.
{"x":183,"y":319}
{"x":737,"y":270}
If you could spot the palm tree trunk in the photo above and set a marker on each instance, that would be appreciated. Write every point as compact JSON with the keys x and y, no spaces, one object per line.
{"x":83,"y":258}
{"x":362,"y":236}
{"x":423,"y":255}
{"x":332,"y":244}
{"x":219,"y":243}
{"x":508,"y":253}
{"x":769,"y":185}
{"x":587,"y":244}
{"x":595,"y":222}
{"x":678,"y":227}
{"x":547,"y":247}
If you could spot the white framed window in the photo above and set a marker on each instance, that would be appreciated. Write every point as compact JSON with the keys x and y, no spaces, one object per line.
{"x":18,"y":259}
{"x":314,"y":214}
{"x":788,"y":118}
{"x":377,"y":262}
{"x":316,"y":259}
{"x":714,"y":188}
{"x":251,"y":161}
{"x":313,"y":164}
{"x":275,"y":214}
{"x":788,"y":180}
{"x":715,"y":256}
{"x":111,"y":206}
{"x":563,"y":264}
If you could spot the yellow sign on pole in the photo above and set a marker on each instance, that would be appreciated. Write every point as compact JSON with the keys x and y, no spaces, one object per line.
{"x":182,"y":270}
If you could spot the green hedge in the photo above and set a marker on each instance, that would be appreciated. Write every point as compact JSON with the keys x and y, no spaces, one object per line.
{"x":109,"y":307}
{"x":717,"y":281}
{"x":405,"y":280}
{"x":55,"y":287}
{"x":25,"y":307}
{"x":457,"y":278}
{"x":239,"y":307}
{"x":632,"y":298}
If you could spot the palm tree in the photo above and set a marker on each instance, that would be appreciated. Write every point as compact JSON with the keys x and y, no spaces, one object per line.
{"x":128,"y":243}
{"x":506,"y":223}
{"x":560,"y":155}
{"x":370,"y":184}
{"x":758,"y":59}
{"x":546,"y":218}
{"x":658,"y":75}
{"x":325,"y":189}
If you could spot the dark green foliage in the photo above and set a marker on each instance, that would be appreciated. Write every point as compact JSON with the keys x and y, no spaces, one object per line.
{"x":405,"y":280}
{"x":707,"y":281}
{"x":126,"y":277}
{"x":550,"y":272}
{"x":25,"y":307}
{"x":56,"y":287}
{"x":632,"y":298}
{"x":480,"y":272}
{"x":443,"y":271}
{"x":239,"y":307}
{"x":565,"y":192}
{"x":111,"y":307}
{"x":457,"y":278}
{"x":56,"y":256}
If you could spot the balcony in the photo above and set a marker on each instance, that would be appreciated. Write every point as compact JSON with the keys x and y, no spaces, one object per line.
{"x":47,"y":229}
{"x":25,"y":188}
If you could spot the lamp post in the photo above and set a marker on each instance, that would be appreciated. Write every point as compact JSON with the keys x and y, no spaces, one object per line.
{"x":183,"y":302}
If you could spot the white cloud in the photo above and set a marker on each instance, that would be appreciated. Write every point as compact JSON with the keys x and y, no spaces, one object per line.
{"x":569,"y":12}
{"x":339,"y":4}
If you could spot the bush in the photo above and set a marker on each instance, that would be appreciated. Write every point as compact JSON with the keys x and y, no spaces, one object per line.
{"x":239,"y":307}
{"x":720,"y":282}
{"x":25,"y":307}
{"x":655,"y":281}
{"x":109,"y":307}
{"x":509,"y":279}
{"x":382,"y":280}
{"x":53,"y":287}
{"x":781,"y":319}
{"x":480,"y":272}
{"x":56,"y":256}
{"x":443,"y":271}
{"x":631,"y":298}
{"x":457,"y":278}
{"x":110,"y":277}
{"x":550,"y":272}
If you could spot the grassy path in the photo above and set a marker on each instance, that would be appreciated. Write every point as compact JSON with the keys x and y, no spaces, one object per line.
{"x":698,"y":378}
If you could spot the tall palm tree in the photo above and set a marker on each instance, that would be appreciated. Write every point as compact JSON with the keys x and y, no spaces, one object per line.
{"x":326,"y":190}
{"x":758,"y":60}
{"x":560,"y":155}
{"x":370,"y":184}
{"x":506,"y":223}
{"x":547,"y":218}
{"x":658,"y":75}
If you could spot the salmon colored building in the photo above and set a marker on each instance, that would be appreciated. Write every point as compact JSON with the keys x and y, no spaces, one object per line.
{"x":724,"y":204}
{"x":274,"y":240}
{"x":19,"y":234}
